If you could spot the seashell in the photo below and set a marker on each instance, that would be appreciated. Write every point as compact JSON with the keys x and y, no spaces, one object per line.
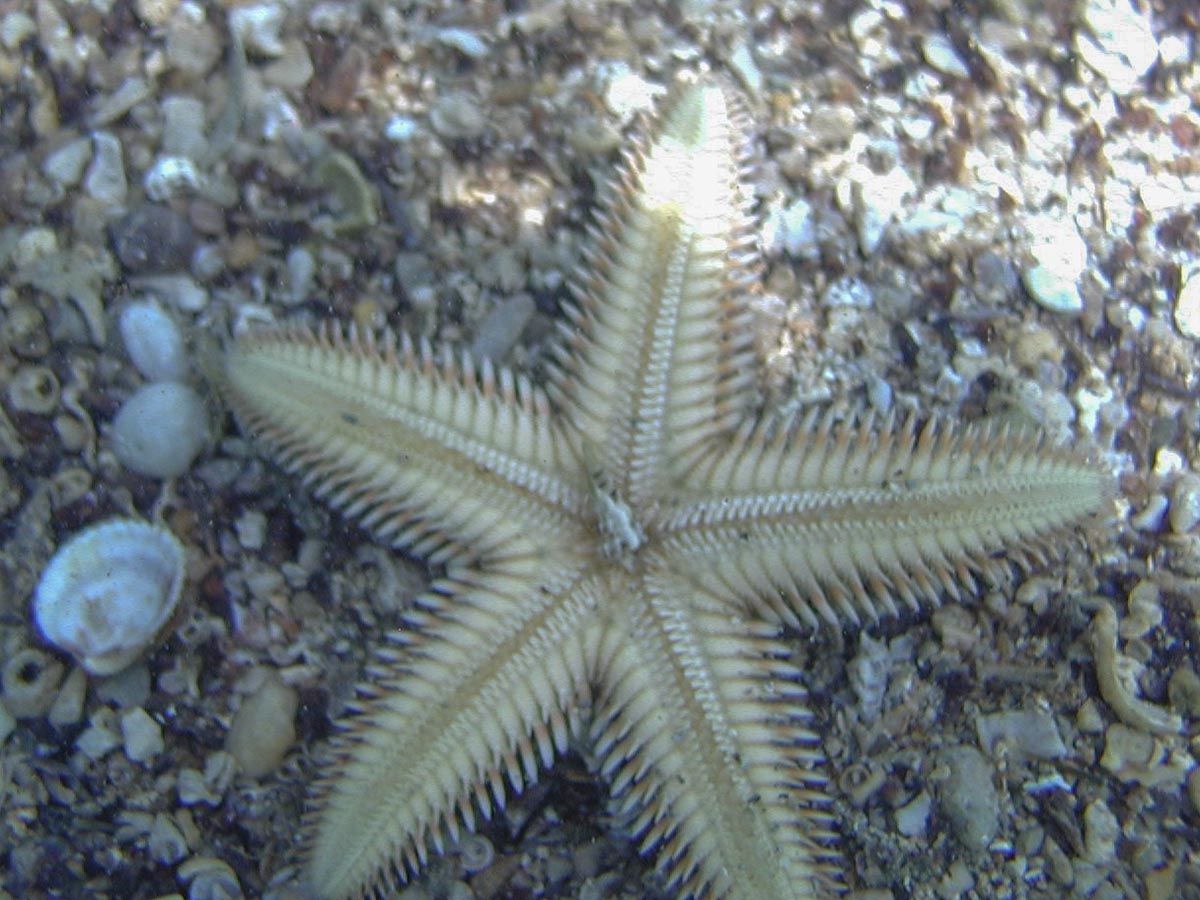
{"x":34,"y":389}
{"x":477,"y":852}
{"x":209,"y":878}
{"x":109,"y":591}
{"x":30,"y":681}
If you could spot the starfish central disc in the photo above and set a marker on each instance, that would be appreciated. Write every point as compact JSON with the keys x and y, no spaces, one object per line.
{"x":621,"y":534}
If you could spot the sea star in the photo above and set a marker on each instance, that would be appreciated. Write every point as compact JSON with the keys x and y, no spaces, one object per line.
{"x":623,"y":549}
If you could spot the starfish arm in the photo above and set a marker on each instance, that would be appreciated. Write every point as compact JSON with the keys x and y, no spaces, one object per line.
{"x":427,"y":454}
{"x":701,"y":727}
{"x":656,"y":359}
{"x":834,"y":521}
{"x":490,"y":677}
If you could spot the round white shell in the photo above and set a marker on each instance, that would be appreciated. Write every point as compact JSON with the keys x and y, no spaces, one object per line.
{"x":108,"y":592}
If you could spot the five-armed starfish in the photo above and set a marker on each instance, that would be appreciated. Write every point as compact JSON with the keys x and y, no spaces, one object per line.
{"x":622,"y":551}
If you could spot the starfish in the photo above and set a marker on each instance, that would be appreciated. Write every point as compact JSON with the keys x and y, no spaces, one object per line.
{"x":624,"y":548}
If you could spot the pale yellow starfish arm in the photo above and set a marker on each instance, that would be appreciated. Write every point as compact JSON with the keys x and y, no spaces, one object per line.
{"x":658,"y":348}
{"x":838,"y":522}
{"x":488,"y":681}
{"x":427,"y":453}
{"x":702,"y":729}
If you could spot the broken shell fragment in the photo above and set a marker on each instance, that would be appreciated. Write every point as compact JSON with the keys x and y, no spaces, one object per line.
{"x":109,"y":591}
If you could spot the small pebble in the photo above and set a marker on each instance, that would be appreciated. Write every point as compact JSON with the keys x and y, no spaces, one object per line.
{"x":400,"y":129}
{"x":130,"y":93}
{"x":1174,"y":48}
{"x":153,"y":341}
{"x":468,"y":43}
{"x":831,"y":125}
{"x":183,"y":127}
{"x":258,"y":25}
{"x":913,"y":818}
{"x":627,"y":93}
{"x":1126,"y":749}
{"x":879,"y":394}
{"x":8,"y":722}
{"x":15,"y":28}
{"x":457,"y":116}
{"x":1187,"y":306}
{"x":293,"y":70}
{"x":1060,"y":256}
{"x":995,"y":273}
{"x":1089,"y":719}
{"x":66,"y":164}
{"x":142,"y":735}
{"x":170,"y":177}
{"x":193,"y":47}
{"x":155,"y":13}
{"x":125,"y":689}
{"x":165,"y":842}
{"x":34,"y":245}
{"x":967,"y":797}
{"x":56,"y":40}
{"x":1184,"y":691}
{"x":940,"y":53}
{"x":1167,"y":462}
{"x":160,"y":430}
{"x":152,"y":238}
{"x":1100,"y":832}
{"x":176,"y":291}
{"x":263,"y":729}
{"x":67,"y":708}
{"x":1152,"y":515}
{"x":868,"y":672}
{"x":864,"y":24}
{"x":1032,"y":733}
{"x":796,"y":230}
{"x":333,"y":16}
{"x":957,"y":882}
{"x":1144,"y":610}
{"x":105,"y":179}
{"x":745,"y":68}
{"x":301,"y":272}
{"x":1117,"y":42}
{"x":848,"y":291}
{"x":100,"y":738}
{"x":874,"y":200}
{"x":1052,"y":290}
{"x":251,"y":528}
{"x":501,"y":328}
{"x":338,"y":86}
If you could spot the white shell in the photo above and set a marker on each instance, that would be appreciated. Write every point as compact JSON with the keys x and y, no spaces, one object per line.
{"x":108,"y":592}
